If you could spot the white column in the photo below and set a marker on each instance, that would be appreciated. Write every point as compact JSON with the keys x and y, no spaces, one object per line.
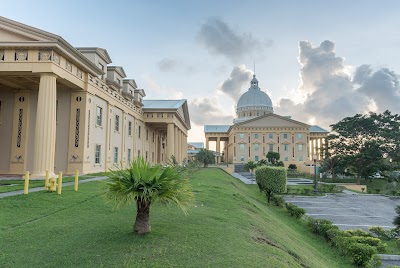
{"x":218,"y":149}
{"x":176,"y":141}
{"x":179,"y":154}
{"x":45,"y":132}
{"x":207,"y":143}
{"x":170,"y":142}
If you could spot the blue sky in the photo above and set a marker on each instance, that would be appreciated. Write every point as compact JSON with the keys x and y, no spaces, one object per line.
{"x":172,"y":51}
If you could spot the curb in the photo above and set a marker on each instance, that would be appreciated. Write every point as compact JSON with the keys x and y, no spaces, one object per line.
{"x":387,"y":257}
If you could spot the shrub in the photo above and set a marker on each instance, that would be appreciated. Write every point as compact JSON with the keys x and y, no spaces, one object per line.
{"x":377,"y":230}
{"x":398,"y":242}
{"x":361,"y":253}
{"x":278,"y":200}
{"x":372,"y":241}
{"x":271,"y":180}
{"x":295,"y":211}
{"x":279,"y":164}
{"x":334,"y":233}
{"x":358,"y":232}
{"x":321,"y":227}
{"x":396,"y":220}
{"x":374,"y":262}
{"x":292,"y":167}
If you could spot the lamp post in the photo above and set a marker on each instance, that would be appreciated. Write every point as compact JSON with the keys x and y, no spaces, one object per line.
{"x":315,"y":175}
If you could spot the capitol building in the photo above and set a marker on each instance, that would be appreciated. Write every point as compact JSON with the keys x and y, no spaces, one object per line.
{"x":258,"y":130}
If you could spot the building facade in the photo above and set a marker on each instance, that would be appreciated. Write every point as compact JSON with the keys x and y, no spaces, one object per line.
{"x":258,"y":130}
{"x":64,"y":109}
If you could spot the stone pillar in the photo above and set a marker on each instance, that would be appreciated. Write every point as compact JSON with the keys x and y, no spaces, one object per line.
{"x":176,"y":141}
{"x":218,"y":149}
{"x":185,"y":147}
{"x":170,"y":142}
{"x":179,"y":147}
{"x":207,"y":143}
{"x":45,"y":132}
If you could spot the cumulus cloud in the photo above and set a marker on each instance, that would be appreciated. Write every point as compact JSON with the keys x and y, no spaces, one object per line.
{"x":156,"y":91}
{"x":239,"y":77}
{"x":331,"y":94}
{"x":208,"y":111}
{"x":219,"y":38}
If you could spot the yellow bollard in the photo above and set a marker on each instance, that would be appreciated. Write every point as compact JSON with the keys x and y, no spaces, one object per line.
{"x":26,"y":185}
{"x":59,"y":182}
{"x":76,"y":180}
{"x":46,"y":180}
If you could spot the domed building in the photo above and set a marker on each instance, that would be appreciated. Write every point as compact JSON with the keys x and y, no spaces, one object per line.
{"x":257,"y":130}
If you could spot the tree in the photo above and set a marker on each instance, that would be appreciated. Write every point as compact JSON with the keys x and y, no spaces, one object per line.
{"x":396,"y":220}
{"x":250,"y":166}
{"x":292,"y":167}
{"x":271,"y":180}
{"x":332,"y":164}
{"x":144,"y":184}
{"x":206,"y":157}
{"x":361,"y":142}
{"x":273,"y":156}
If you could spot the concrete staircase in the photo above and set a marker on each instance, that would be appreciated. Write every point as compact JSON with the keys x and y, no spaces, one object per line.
{"x":239,"y":168}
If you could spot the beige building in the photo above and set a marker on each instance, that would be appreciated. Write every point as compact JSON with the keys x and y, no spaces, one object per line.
{"x":64,"y":109}
{"x":257,"y":130}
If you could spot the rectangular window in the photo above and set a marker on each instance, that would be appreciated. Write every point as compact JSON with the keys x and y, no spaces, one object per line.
{"x":152,"y":156}
{"x":286,"y":158}
{"x":300,"y":147}
{"x":299,"y":135}
{"x":101,"y":67}
{"x":271,"y":147}
{"x":129,"y":155}
{"x":147,"y":134}
{"x":241,"y":135}
{"x":99,"y":115}
{"x":241,"y":158}
{"x":138,"y":153}
{"x":285,"y":147}
{"x":97,"y":154}
{"x":300,"y":158}
{"x":130,"y":128}
{"x":147,"y":153}
{"x":256,"y":158}
{"x":241,"y":147}
{"x":256,"y":147}
{"x":115,"y":155}
{"x":118,"y":81}
{"x":256,"y":136}
{"x":154,"y":137}
{"x":116,"y":122}
{"x":139,"y":132}
{"x":285,"y":136}
{"x":270,"y":135}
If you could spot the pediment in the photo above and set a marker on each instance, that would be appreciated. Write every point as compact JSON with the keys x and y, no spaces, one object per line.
{"x":12,"y":31}
{"x":272,"y":120}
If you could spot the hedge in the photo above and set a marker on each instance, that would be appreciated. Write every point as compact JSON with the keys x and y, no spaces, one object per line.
{"x":271,"y":180}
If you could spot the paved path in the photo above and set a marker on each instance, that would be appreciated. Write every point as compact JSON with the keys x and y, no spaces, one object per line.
{"x":38,"y":189}
{"x":349,"y":211}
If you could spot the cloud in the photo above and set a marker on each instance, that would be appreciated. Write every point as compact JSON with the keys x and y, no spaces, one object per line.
{"x":239,"y":77}
{"x":208,"y":111}
{"x":156,"y":91}
{"x":167,"y":65}
{"x":331,"y":94}
{"x":219,"y":38}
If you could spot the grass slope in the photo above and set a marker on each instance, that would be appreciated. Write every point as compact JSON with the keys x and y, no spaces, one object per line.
{"x":230,"y":226}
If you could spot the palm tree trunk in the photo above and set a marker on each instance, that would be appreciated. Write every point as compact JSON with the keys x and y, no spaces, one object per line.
{"x":142,"y":223}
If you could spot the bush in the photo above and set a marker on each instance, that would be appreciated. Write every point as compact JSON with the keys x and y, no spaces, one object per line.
{"x":321,"y":227}
{"x":295,"y":211}
{"x":372,"y":241}
{"x":377,"y":230}
{"x":358,"y":232}
{"x":386,"y":234}
{"x":278,"y":200}
{"x":271,"y":180}
{"x":292,"y":167}
{"x":396,"y":220}
{"x":279,"y":164}
{"x":361,"y":253}
{"x":398,"y":242}
{"x":334,"y":233}
{"x":374,"y":262}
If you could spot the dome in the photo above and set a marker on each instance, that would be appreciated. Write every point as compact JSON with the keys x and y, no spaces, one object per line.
{"x":253,"y":103}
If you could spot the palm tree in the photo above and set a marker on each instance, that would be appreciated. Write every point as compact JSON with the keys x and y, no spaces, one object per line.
{"x":206,"y":157}
{"x":250,"y":166}
{"x":144,"y":184}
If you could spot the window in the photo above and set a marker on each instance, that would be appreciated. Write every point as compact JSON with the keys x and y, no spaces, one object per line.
{"x":241,"y":147}
{"x":129,"y":155}
{"x":152,"y":156}
{"x":255,"y":147}
{"x":285,"y":147}
{"x":138,"y":153}
{"x":270,"y":135}
{"x":154,"y":137}
{"x":99,"y":115}
{"x":139,"y":132}
{"x":285,"y":136}
{"x":299,"y":135}
{"x":115,"y":155}
{"x":300,"y":158}
{"x":130,"y":128}
{"x":256,"y":136}
{"x":147,"y":134}
{"x":118,"y":81}
{"x":241,"y":135}
{"x":256,"y":158}
{"x":300,"y":147}
{"x":271,"y":147}
{"x":101,"y":67}
{"x":241,"y":158}
{"x":147,"y":155}
{"x":116,"y":122}
{"x":97,"y":154}
{"x":286,"y":158}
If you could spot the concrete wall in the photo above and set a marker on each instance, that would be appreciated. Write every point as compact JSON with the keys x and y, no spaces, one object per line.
{"x":62,"y":129}
{"x":6,"y":124}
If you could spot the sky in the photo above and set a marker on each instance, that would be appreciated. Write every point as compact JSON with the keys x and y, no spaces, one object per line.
{"x":319,"y":61}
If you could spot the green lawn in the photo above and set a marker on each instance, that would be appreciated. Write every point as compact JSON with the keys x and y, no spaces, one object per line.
{"x":229,"y":226}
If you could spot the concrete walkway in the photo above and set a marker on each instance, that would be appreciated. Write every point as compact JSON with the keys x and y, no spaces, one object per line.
{"x":38,"y":189}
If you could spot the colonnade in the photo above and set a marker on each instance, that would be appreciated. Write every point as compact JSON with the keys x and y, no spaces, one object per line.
{"x":176,"y":143}
{"x":316,"y":147}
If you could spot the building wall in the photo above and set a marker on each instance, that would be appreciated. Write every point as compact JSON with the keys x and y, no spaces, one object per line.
{"x":6,"y":124}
